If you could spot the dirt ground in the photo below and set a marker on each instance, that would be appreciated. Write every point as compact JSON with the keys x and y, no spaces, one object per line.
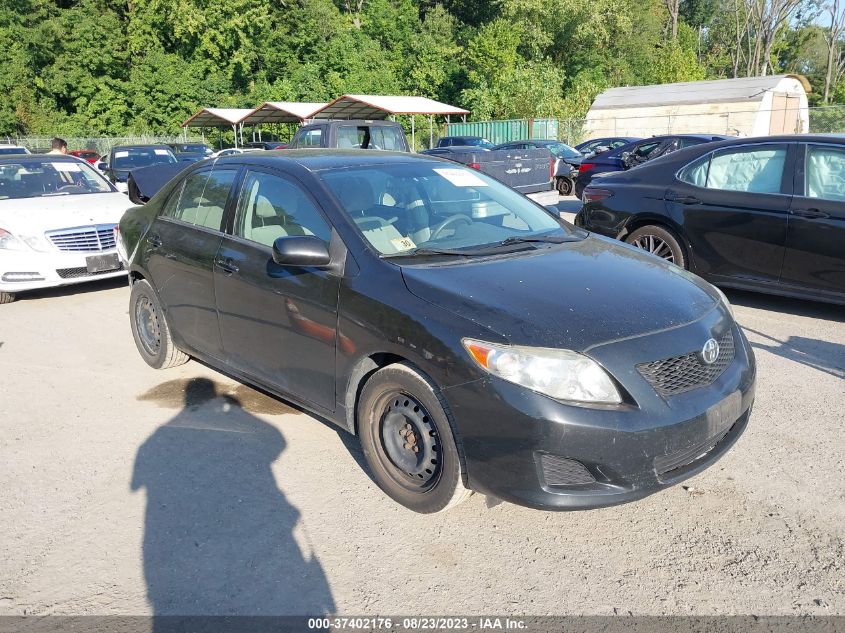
{"x":130,"y":491}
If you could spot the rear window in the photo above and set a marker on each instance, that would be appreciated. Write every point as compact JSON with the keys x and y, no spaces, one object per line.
{"x":366,"y":137}
{"x":135,"y":157}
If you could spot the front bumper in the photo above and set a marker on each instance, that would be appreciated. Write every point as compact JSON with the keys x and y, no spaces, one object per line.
{"x":519,"y":445}
{"x":49,"y":269}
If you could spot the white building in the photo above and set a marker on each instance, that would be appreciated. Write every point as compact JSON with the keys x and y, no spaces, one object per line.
{"x":748,"y":106}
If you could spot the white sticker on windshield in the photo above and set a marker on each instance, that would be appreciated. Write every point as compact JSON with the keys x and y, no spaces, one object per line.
{"x":403,"y":243}
{"x":461,"y":177}
{"x":68,"y":166}
{"x":121,"y":154}
{"x":161,"y":152}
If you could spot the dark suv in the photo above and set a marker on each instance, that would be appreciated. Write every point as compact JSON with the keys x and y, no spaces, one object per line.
{"x":637,"y":153}
{"x":352,"y":134}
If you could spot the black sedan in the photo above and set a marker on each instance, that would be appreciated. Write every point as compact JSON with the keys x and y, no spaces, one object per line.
{"x":123,"y":159}
{"x":567,"y":160}
{"x":604,"y":144}
{"x":764,"y":214}
{"x":470,"y":338}
{"x":636,"y":153}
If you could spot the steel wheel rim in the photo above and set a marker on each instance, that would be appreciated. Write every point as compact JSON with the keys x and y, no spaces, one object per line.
{"x":655,"y":246}
{"x":409,"y":441}
{"x":147,"y":326}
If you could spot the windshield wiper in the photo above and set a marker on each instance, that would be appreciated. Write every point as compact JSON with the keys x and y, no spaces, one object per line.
{"x":431,"y":251}
{"x":550,"y":239}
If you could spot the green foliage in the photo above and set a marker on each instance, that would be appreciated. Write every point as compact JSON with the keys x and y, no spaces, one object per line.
{"x":87,"y":67}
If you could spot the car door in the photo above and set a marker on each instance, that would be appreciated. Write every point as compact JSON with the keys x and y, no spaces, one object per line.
{"x":733,"y":205}
{"x":181,"y":245}
{"x":815,"y":237}
{"x":278,"y":323}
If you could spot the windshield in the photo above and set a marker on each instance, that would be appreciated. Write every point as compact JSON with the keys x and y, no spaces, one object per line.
{"x":32,"y":179}
{"x":405,"y":208}
{"x":135,"y":157}
{"x":561,"y":150}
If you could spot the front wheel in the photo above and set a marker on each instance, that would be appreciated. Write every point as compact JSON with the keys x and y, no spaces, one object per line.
{"x":149,"y":329}
{"x":408,"y":442}
{"x":6,"y":297}
{"x":564,"y":186}
{"x":658,"y":241}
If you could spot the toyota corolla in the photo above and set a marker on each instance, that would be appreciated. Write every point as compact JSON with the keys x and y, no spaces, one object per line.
{"x":470,"y":338}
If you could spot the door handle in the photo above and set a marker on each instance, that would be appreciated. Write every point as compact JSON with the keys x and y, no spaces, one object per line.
{"x":227,"y":266}
{"x":154,"y":241}
{"x":810,"y":213}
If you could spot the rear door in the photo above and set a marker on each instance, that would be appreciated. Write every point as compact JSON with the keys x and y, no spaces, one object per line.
{"x":181,"y":246}
{"x":278,"y":323}
{"x":733,"y":205}
{"x":815,"y":240}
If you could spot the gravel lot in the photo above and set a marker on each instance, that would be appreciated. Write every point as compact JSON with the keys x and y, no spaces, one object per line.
{"x":241,"y":504}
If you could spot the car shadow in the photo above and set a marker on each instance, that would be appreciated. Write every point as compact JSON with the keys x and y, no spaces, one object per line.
{"x":220,"y":537}
{"x":95,"y":285}
{"x":569,"y":204}
{"x":821,"y":355}
{"x":787,"y":305}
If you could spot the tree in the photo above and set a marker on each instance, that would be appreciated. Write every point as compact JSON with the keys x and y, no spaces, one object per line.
{"x":833,"y":39}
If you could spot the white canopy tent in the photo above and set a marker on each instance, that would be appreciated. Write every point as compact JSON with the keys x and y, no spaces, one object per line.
{"x":383,"y":106}
{"x":220,"y":118}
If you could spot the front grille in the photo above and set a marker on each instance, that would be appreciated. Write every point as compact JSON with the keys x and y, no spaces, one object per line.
{"x":678,"y":374}
{"x":560,"y":471}
{"x":74,"y":273}
{"x":666,"y":464}
{"x":86,"y":239}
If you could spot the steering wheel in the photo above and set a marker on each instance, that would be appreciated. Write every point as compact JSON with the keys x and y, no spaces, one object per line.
{"x":454,"y":219}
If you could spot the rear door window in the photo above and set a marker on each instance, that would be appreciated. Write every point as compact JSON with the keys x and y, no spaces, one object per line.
{"x":203,"y":198}
{"x":824,"y":176}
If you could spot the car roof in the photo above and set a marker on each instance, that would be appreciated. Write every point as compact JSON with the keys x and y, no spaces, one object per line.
{"x":320,"y":159}
{"x":142,"y":146}
{"x":35,"y":158}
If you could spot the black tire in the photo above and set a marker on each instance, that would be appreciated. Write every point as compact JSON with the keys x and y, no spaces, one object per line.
{"x":659,"y":241}
{"x":6,"y":297}
{"x":564,"y":186}
{"x":407,"y":439}
{"x":150,"y":331}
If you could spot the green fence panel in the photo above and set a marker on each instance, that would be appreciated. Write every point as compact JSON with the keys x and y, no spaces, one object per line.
{"x":507,"y":130}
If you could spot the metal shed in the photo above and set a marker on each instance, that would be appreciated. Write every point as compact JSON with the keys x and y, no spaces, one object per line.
{"x":750,"y":106}
{"x":384,"y":106}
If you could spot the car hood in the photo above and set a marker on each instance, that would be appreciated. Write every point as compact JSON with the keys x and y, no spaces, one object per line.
{"x":31,"y":216}
{"x":573,"y":296}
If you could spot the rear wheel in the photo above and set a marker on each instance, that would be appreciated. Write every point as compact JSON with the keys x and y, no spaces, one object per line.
{"x":658,"y":241}
{"x":564,"y":186}
{"x":408,"y":442}
{"x":149,"y":329}
{"x":6,"y":297}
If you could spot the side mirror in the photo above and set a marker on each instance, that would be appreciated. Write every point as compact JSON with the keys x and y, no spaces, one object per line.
{"x":626,"y":159}
{"x":301,"y":251}
{"x":102,"y":166}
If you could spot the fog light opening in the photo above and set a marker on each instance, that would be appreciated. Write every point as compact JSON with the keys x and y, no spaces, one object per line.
{"x":13,"y":277}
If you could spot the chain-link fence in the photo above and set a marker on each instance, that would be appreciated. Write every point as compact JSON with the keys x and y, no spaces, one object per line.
{"x":101,"y":144}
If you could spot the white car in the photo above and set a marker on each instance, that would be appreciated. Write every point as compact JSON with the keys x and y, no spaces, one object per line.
{"x":231,"y":151}
{"x":57,"y":221}
{"x":12,"y":150}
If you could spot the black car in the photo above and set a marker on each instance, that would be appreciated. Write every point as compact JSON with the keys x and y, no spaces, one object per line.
{"x":122,"y":159}
{"x":450,"y":150}
{"x":421,"y":305}
{"x":464,"y":141}
{"x":763,"y":214}
{"x":567,"y":160}
{"x":268,"y":145}
{"x":604,"y":144}
{"x":636,"y":153}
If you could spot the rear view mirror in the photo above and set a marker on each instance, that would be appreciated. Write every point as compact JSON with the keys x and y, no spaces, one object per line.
{"x":302,"y":251}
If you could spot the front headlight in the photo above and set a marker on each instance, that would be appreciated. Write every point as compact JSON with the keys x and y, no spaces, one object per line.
{"x":558,"y":373}
{"x":725,"y":301}
{"x":9,"y":242}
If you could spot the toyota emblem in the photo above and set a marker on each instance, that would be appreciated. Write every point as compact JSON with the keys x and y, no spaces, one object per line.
{"x":710,"y":351}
